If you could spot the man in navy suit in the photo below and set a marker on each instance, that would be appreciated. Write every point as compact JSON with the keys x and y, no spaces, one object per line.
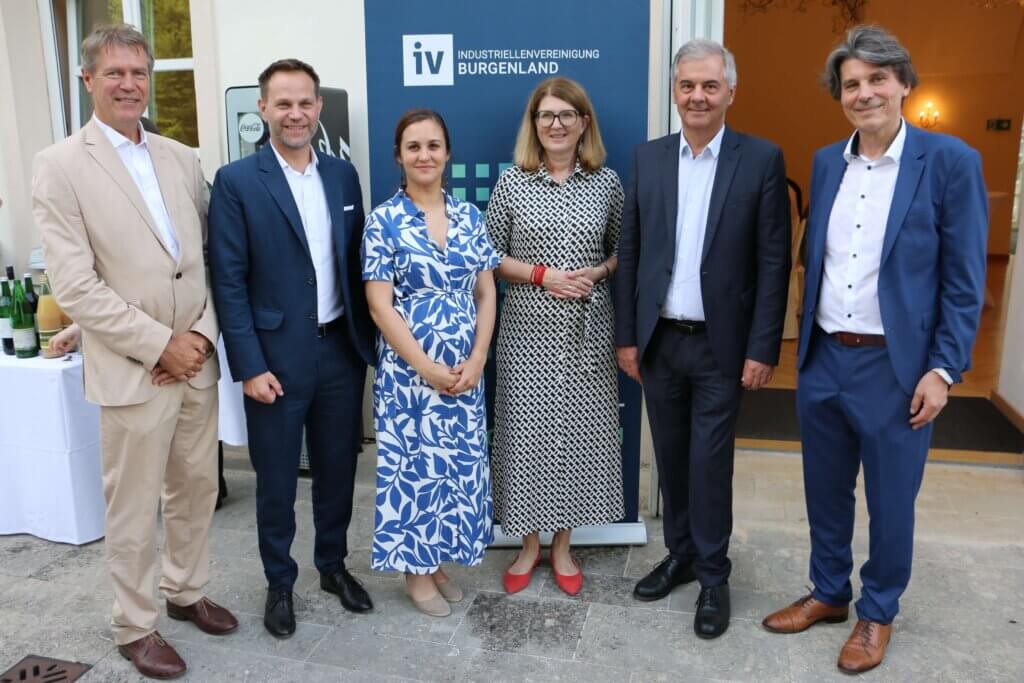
{"x":896,"y":241}
{"x":285,"y":228}
{"x":700,"y":297}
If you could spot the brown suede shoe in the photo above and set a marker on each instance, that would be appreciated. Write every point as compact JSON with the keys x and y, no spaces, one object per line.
{"x":803,"y":614}
{"x":865,"y":647}
{"x":153,"y":657}
{"x":206,"y":614}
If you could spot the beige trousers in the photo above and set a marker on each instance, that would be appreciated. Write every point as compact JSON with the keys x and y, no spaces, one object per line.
{"x":162,"y":450}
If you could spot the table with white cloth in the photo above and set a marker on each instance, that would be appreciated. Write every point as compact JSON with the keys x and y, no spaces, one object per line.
{"x":50,"y":475}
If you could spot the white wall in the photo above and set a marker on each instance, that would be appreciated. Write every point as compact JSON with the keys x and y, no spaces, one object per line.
{"x":24,"y":126}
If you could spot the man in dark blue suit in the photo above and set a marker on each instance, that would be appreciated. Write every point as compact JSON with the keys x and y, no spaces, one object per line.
{"x":285,"y":228}
{"x":896,"y":240}
{"x":700,"y":297}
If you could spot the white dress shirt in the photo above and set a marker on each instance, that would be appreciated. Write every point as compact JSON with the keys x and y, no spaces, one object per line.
{"x":848,"y":301}
{"x":695,"y":180}
{"x":308,"y":191}
{"x":140,"y":167}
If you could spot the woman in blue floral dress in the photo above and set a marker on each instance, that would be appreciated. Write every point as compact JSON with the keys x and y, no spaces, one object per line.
{"x":427,"y":264}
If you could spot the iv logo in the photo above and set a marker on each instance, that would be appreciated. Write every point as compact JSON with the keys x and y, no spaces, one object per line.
{"x":428,"y":59}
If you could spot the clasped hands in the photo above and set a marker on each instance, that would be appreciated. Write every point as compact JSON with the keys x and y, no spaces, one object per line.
{"x":182,"y":359}
{"x":574,"y":284}
{"x":453,"y":381}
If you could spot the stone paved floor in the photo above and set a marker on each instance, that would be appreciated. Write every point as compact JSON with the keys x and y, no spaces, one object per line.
{"x":962,"y":618}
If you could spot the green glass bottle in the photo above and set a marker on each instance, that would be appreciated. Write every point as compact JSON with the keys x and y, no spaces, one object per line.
{"x":23,"y":324}
{"x":33,"y":303}
{"x":30,"y":293}
{"x":6,"y":331}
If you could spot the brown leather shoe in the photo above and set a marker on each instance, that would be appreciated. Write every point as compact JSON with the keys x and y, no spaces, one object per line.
{"x":803,"y":614}
{"x":153,"y":657}
{"x":865,"y":647}
{"x":206,"y":614}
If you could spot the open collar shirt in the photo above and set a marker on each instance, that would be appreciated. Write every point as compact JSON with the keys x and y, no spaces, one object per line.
{"x":696,"y":178}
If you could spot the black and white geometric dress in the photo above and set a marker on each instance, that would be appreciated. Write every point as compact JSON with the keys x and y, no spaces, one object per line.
{"x":555,"y":456}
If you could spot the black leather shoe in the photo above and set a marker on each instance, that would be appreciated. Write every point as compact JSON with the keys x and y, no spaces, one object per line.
{"x":665,"y":576}
{"x":353,"y":596}
{"x":713,"y":609}
{"x":279,"y":614}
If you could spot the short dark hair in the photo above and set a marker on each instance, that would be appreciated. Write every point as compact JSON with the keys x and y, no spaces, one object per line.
{"x":290,"y":64}
{"x":872,"y":45}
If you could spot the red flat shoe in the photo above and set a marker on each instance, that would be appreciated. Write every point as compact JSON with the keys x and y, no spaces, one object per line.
{"x":517,"y":582}
{"x":569,"y":583}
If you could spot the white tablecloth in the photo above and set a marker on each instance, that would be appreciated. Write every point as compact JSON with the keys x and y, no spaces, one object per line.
{"x":50,"y":475}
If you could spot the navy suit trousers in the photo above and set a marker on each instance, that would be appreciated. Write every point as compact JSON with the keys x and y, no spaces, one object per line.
{"x":692,"y":408}
{"x":329,"y":406}
{"x":853,"y":412}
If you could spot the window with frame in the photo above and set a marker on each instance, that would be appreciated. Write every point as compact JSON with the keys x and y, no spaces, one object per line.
{"x":167,"y":26}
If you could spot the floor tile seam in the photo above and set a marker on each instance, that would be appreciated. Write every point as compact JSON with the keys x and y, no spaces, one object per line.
{"x":315,"y":647}
{"x":108,"y":653}
{"x":640,"y":606}
{"x":583,"y":628}
{"x":462,"y":619}
{"x":208,"y":645}
{"x":297,"y":621}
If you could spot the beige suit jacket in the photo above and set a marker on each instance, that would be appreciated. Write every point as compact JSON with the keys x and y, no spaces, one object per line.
{"x":109,"y":269}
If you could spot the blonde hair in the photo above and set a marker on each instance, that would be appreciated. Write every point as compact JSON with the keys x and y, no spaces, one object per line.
{"x":113,"y":35}
{"x":590,"y":152}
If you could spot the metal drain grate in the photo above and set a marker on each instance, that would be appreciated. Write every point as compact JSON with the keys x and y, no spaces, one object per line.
{"x":35,"y":669}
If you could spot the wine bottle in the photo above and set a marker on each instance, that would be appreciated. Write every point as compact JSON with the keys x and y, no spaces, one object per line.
{"x":30,"y":293}
{"x":47,"y":319}
{"x":33,"y":301}
{"x":6,"y":331}
{"x":23,"y":324}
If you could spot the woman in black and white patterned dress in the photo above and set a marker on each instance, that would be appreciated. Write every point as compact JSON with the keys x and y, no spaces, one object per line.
{"x":554,"y":218}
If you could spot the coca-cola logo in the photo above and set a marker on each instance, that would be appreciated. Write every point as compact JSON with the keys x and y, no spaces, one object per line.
{"x":250,"y":128}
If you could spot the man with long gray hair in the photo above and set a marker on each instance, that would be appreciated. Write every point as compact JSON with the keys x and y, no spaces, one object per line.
{"x":699,"y":301}
{"x":123,"y":218}
{"x":896,"y":240}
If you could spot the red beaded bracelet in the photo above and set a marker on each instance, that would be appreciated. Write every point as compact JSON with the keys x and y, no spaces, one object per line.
{"x":537,"y":275}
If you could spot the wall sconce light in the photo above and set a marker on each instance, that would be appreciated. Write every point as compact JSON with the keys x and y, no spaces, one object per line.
{"x":929,"y":116}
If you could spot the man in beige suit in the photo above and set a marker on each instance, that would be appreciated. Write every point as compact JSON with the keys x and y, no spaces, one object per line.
{"x":123,"y":218}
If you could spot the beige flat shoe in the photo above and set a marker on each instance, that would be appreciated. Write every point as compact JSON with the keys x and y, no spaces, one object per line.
{"x":434,"y":606}
{"x":449,"y":591}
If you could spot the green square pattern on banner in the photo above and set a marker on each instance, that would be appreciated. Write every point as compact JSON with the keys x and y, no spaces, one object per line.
{"x":483,"y":194}
{"x":483,"y":170}
{"x":504,"y":167}
{"x":458,"y":170}
{"x":459,"y":193}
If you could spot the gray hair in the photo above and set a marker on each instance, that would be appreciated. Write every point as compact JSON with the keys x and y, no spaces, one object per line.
{"x":698,"y":48}
{"x":119,"y":35}
{"x":872,"y":45}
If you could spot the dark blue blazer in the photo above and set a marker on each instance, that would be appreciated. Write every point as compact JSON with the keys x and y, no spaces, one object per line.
{"x":746,"y":257}
{"x":931,"y":280}
{"x":264,"y":285}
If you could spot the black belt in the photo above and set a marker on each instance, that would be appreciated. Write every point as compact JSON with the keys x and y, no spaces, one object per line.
{"x":687,"y":326}
{"x":323,"y":329}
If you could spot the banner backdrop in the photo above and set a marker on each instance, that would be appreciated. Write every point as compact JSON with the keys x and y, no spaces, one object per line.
{"x":476,"y":63}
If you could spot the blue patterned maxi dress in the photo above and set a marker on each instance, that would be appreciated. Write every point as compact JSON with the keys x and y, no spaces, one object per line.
{"x":433,"y":475}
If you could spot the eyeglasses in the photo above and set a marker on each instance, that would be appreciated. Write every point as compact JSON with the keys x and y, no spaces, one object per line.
{"x":567,"y":118}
